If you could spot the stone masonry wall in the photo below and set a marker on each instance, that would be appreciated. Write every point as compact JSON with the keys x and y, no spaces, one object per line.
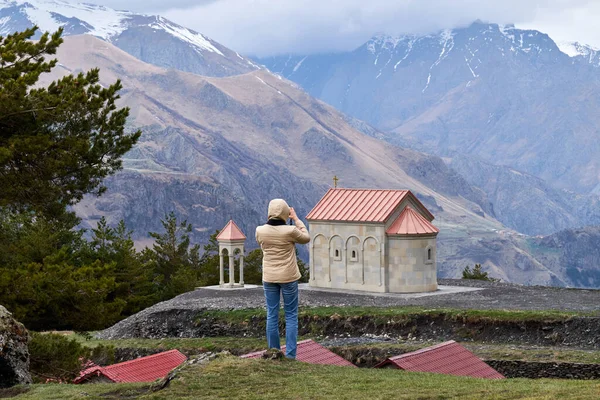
{"x":409,"y":269}
{"x":529,"y":369}
{"x":362,"y":257}
{"x":348,"y":256}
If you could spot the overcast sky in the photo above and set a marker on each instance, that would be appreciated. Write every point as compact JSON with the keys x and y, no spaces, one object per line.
{"x":266,"y":27}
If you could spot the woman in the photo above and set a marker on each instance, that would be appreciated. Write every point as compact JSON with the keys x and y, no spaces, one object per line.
{"x":280,"y":271}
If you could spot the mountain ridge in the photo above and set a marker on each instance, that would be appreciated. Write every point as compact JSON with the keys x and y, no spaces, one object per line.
{"x":496,"y":92}
{"x":216,"y":148}
{"x":150,"y":38}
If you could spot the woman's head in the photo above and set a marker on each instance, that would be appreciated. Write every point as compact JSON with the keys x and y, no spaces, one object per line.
{"x":279,"y":209}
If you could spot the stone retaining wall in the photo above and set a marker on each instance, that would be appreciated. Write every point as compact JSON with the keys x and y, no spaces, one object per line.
{"x":535,"y":370}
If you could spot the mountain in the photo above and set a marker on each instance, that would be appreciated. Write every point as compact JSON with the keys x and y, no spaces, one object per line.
{"x":570,"y":253}
{"x":526,"y":203}
{"x":504,"y":95}
{"x":152,"y":39}
{"x":220,"y":148}
{"x":581,"y":53}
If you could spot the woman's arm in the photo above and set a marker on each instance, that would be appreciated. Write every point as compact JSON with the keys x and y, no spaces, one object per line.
{"x":300,"y":233}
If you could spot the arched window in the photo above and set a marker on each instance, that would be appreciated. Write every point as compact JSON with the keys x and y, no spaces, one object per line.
{"x":337,"y":255}
{"x":429,"y":255}
{"x":353,"y":253}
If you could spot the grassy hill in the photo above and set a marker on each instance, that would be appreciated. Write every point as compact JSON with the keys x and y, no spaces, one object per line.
{"x":230,"y":377}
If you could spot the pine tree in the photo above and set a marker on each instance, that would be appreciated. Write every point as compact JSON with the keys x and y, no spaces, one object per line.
{"x":171,"y":257}
{"x":209,"y":263}
{"x":477,"y":273}
{"x":59,"y":142}
{"x":134,"y":282}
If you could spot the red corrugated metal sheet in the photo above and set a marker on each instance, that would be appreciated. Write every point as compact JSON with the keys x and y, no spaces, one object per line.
{"x":446,"y":358}
{"x":359,"y":205}
{"x":411,"y":222}
{"x":144,"y":369}
{"x":311,"y":352}
{"x":231,"y":232}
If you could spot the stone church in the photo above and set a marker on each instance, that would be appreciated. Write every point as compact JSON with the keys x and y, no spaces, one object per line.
{"x":372,"y":240}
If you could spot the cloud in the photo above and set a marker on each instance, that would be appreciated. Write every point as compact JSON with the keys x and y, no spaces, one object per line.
{"x":575,"y":22}
{"x":268,"y":27}
{"x":150,"y":6}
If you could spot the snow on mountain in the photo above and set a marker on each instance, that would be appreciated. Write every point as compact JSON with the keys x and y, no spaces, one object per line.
{"x":49,"y":15}
{"x":503,"y":94}
{"x":583,"y":52}
{"x":185,"y":34}
{"x":153,"y":39}
{"x":574,"y":49}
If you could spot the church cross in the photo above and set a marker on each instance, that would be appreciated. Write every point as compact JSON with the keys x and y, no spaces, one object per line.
{"x":335,"y":181}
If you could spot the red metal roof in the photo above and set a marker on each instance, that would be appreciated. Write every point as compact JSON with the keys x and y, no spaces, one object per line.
{"x":446,"y":358}
{"x":144,"y":369}
{"x":411,"y":222}
{"x":360,"y":205}
{"x":311,"y":352}
{"x":231,"y":232}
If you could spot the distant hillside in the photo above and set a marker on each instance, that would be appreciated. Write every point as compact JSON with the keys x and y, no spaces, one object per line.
{"x":527,"y":203}
{"x":508,"y":96}
{"x":572,"y":253}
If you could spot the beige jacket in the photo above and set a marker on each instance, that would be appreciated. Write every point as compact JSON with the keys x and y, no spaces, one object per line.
{"x":278,"y":245}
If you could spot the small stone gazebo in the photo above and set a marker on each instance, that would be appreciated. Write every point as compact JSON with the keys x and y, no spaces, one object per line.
{"x":231,"y":238}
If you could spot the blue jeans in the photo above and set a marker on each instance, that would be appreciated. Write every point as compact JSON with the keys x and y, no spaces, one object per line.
{"x":273,"y":292}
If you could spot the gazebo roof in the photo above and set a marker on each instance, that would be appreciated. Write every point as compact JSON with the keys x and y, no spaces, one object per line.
{"x":231,"y":232}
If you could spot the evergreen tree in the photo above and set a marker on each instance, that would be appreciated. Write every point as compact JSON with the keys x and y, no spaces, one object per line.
{"x":477,"y":273}
{"x":253,"y":267}
{"x":209,"y":263}
{"x":171,"y":257}
{"x":133,"y":280}
{"x":303,"y":268}
{"x":59,"y":142}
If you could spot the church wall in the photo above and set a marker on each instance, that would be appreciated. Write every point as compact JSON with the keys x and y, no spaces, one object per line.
{"x":409,"y":269}
{"x":333,"y":264}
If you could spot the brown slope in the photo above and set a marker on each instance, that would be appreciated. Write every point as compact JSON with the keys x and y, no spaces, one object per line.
{"x":215,"y":148}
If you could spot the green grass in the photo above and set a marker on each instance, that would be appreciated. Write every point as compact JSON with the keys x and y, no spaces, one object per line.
{"x":380,"y":314}
{"x":259,"y":379}
{"x":72,"y":392}
{"x":214,"y":344}
{"x":246,"y":345}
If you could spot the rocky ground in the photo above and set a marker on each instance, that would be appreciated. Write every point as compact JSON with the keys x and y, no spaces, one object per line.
{"x":167,"y":316}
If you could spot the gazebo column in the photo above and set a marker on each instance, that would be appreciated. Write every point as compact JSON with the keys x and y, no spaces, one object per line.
{"x":231,"y":238}
{"x":242,"y":268}
{"x":221,"y":272}
{"x":231,"y":269}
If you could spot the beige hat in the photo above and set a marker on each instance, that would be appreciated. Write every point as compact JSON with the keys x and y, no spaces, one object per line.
{"x":279,"y":209}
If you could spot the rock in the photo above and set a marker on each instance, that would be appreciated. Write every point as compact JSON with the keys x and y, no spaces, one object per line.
{"x":273,"y":354}
{"x":14,"y":354}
